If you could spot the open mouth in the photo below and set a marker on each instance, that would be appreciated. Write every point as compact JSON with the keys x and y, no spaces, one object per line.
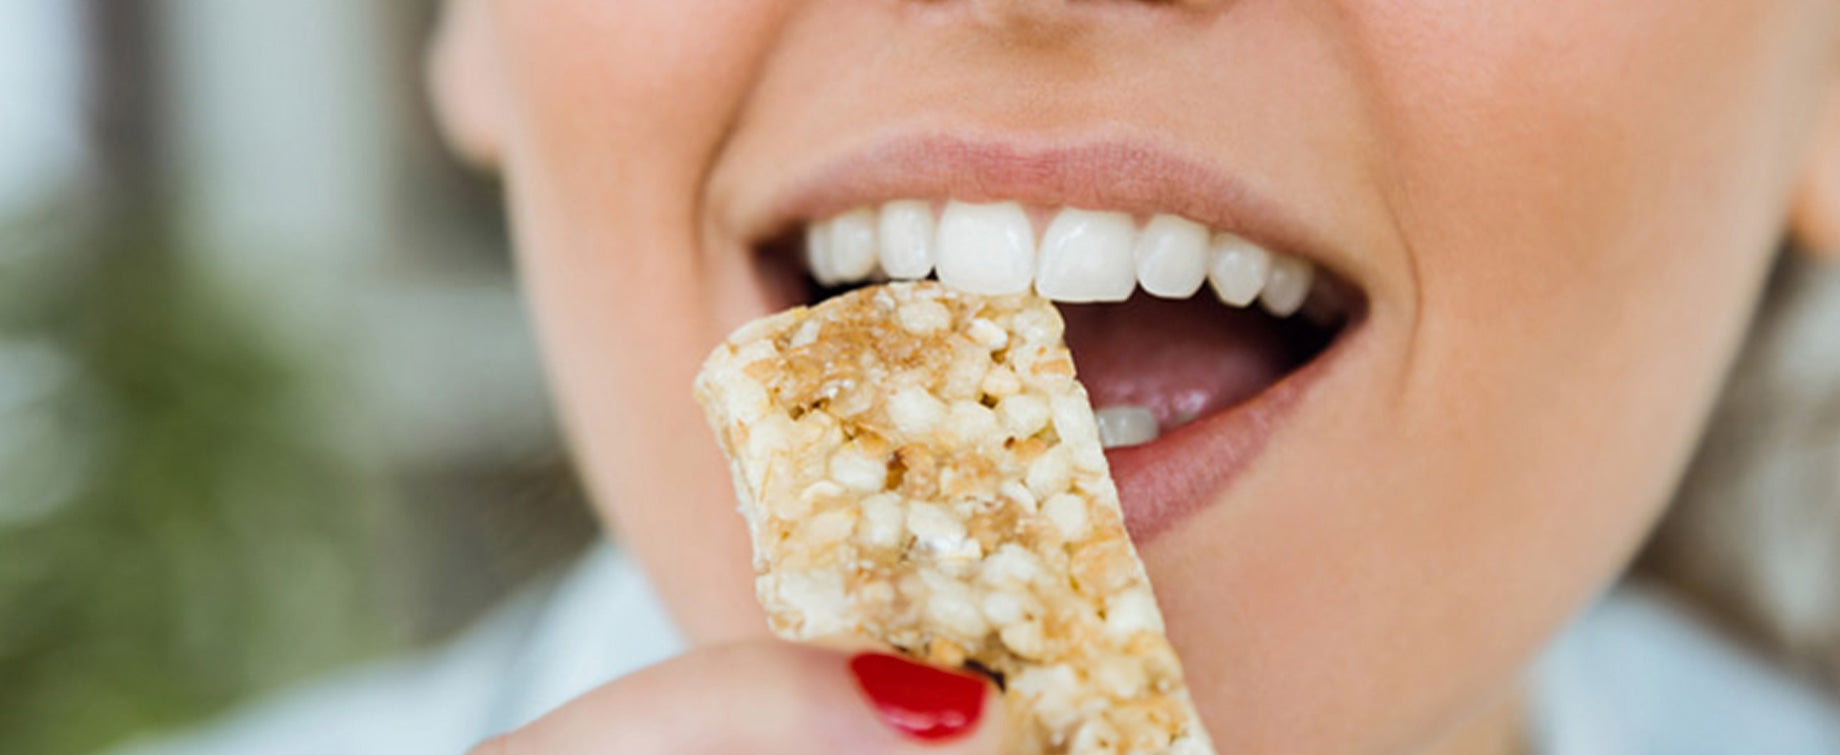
{"x":1190,"y":340}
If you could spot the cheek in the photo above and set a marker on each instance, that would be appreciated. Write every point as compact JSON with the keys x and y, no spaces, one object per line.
{"x":1588,"y":196}
{"x":618,"y":110}
{"x":1591,"y":192}
{"x":1564,"y":153}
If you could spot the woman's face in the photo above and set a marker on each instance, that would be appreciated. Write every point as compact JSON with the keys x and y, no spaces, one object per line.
{"x":1555,"y":216}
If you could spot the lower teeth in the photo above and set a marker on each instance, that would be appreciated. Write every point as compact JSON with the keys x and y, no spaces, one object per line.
{"x":1122,"y":426}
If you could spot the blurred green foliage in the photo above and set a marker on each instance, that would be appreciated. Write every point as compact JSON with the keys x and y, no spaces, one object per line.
{"x":178,"y":525}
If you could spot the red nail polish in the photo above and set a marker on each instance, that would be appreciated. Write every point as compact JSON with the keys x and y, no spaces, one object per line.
{"x":920,"y":701}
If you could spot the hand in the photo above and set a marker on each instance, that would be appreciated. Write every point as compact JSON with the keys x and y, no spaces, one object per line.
{"x":772,"y":697}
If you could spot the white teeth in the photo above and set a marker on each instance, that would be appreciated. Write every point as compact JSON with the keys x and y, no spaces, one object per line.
{"x":818,"y":254}
{"x":1237,"y":269}
{"x":852,"y":245}
{"x":1121,"y":426}
{"x":1286,"y":284}
{"x":1086,"y":256}
{"x":906,"y":239}
{"x":1172,"y":257}
{"x":986,"y":248}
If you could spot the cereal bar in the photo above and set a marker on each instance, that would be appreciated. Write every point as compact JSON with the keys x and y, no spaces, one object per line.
{"x":919,"y":467}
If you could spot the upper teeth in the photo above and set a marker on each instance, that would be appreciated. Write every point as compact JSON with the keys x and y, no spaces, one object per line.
{"x":986,"y":248}
{"x":1082,"y":256}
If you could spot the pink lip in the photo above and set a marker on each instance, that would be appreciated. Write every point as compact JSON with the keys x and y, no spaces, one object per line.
{"x":1165,"y":481}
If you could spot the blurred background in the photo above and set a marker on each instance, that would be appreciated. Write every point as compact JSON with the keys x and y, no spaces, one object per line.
{"x":268,"y":403}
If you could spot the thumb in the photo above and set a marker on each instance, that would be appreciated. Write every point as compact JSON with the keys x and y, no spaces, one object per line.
{"x":770,"y":697}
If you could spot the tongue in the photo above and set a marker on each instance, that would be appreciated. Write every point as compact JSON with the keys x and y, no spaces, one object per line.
{"x":1181,"y":359}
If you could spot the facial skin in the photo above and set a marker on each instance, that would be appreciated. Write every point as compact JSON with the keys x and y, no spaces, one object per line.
{"x":1560,"y":214}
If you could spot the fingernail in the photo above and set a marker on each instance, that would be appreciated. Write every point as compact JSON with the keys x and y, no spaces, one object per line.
{"x":917,"y":700}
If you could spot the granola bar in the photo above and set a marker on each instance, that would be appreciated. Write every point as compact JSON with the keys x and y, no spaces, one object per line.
{"x":920,"y":467}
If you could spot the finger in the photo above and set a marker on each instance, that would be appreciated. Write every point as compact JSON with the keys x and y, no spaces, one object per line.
{"x":770,"y":698}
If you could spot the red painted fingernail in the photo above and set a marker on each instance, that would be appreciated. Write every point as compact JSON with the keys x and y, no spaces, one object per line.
{"x":920,"y":701}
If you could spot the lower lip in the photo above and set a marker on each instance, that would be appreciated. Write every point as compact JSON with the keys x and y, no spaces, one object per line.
{"x":1162,"y":482}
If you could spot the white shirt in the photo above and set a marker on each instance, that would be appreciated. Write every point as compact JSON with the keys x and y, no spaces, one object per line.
{"x":1634,"y":675}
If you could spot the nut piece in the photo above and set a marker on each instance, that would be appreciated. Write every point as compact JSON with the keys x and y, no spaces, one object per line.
{"x":919,"y":467}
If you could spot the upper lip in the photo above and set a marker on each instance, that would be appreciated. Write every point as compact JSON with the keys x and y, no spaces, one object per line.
{"x":1127,"y":175}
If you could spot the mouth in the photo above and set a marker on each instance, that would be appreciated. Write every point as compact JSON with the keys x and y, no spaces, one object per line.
{"x":1193,"y":340}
